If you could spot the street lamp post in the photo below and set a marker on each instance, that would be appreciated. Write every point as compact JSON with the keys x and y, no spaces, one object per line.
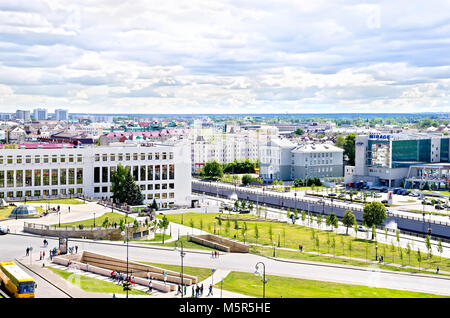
{"x":182,"y":254}
{"x":263,"y":276}
{"x":273,"y":244}
{"x":59,"y":219}
{"x":94,"y":220}
{"x":376,"y":251}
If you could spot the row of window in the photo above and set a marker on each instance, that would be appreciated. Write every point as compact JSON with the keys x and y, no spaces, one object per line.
{"x":19,"y":159}
{"x":164,"y":195}
{"x":40,"y":177}
{"x":135,"y":156}
{"x":38,"y":193}
{"x":139,"y":173}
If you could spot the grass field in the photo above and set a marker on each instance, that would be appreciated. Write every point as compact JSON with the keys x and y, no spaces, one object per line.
{"x":201,"y":273}
{"x":277,"y":286}
{"x":186,"y":244}
{"x":291,"y":235}
{"x":57,"y":201}
{"x":112,"y":217}
{"x":94,"y":285}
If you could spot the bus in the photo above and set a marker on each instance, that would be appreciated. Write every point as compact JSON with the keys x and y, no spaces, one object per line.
{"x":15,"y":281}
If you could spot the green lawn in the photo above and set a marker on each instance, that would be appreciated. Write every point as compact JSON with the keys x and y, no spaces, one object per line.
{"x":277,"y":286}
{"x":186,"y":244}
{"x":201,"y":273}
{"x":112,"y":217}
{"x":94,"y":285}
{"x":57,"y":201}
{"x":158,"y":238}
{"x":291,"y":235}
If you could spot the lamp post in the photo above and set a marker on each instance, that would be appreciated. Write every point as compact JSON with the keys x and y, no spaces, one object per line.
{"x":273,"y":244}
{"x":126,"y":229}
{"x":295,"y":195}
{"x":94,"y":220}
{"x":182,"y":254}
{"x":59,"y":219}
{"x":263,"y":276}
{"x":376,"y":251}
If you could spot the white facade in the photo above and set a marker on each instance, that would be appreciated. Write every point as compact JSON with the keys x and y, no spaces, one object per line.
{"x":61,"y":114}
{"x":162,"y":172}
{"x":40,"y":114}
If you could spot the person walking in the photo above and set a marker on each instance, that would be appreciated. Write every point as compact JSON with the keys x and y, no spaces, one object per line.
{"x":40,"y":256}
{"x":193,"y":291}
{"x":76,"y":248}
{"x":69,"y":208}
{"x":201,"y":290}
{"x":150,"y":287}
{"x":437,"y":269}
{"x":43,"y":254}
{"x":185,"y":290}
{"x":210,"y":293}
{"x":28,"y":251}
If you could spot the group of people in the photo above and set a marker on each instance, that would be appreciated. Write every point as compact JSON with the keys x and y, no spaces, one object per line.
{"x":300,"y":247}
{"x":120,"y":277}
{"x":215,"y":254}
{"x":197,"y":291}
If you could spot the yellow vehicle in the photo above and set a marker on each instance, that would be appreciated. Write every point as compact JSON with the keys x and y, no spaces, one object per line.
{"x":16,"y":282}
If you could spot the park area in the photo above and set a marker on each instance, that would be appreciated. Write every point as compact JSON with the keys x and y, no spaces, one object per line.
{"x":111,"y":217}
{"x":320,"y":241}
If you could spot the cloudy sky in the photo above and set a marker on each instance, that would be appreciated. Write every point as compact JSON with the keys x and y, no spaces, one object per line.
{"x":251,"y":56}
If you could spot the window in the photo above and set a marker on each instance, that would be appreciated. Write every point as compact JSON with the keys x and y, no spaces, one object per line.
{"x":171,"y":195}
{"x":19,"y":159}
{"x":96,"y":189}
{"x":54,"y":176}
{"x":37,"y":193}
{"x":37,"y":159}
{"x":79,"y":175}
{"x":28,"y":159}
{"x":97,"y":157}
{"x":2,"y":178}
{"x":62,"y":177}
{"x":37,"y":177}
{"x":120,"y":157}
{"x":71,"y":177}
{"x":19,"y":194}
{"x":70,"y":158}
{"x":113,"y":157}
{"x":149,"y":186}
{"x":54,"y":158}
{"x":54,"y":192}
{"x":157,"y":172}
{"x":96,"y":174}
{"x":46,"y":176}
{"x":150,"y":156}
{"x":150,"y":196}
{"x":164,"y":186}
{"x":171,"y":172}
{"x":62,"y":158}
{"x":10,"y":160}
{"x":164,"y":172}
{"x":79,"y":158}
{"x":1,"y":160}
{"x":164,"y":156}
{"x":111,"y":172}
{"x":142,"y":187}
{"x":142,"y":174}
{"x":135,"y":173}
{"x":164,"y":195}
{"x":142,"y":156}
{"x":104,"y":174}
{"x":28,"y":178}
{"x":104,"y":157}
{"x":127,"y":157}
{"x":171,"y":185}
{"x":135,"y":156}
{"x":170,"y":155}
{"x":157,"y":187}
{"x":157,"y":156}
{"x":104,"y":189}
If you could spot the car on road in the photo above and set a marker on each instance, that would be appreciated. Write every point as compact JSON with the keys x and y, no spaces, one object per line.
{"x":384,"y":190}
{"x":358,"y":198}
{"x":332,"y":194}
{"x":384,"y":201}
{"x":362,"y":228}
{"x":342,"y":195}
{"x":3,"y":231}
{"x":438,"y":207}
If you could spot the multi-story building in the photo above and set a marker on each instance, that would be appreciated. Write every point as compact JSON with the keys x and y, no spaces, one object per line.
{"x":280,"y":159}
{"x":61,"y":114}
{"x":40,"y":114}
{"x":386,"y":159}
{"x":162,"y":172}
{"x":23,"y":115}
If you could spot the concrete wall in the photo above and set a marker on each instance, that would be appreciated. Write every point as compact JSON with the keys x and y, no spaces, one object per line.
{"x":405,"y":223}
{"x":220,"y":243}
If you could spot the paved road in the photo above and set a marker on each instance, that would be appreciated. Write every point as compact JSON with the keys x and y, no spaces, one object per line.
{"x":246,"y":263}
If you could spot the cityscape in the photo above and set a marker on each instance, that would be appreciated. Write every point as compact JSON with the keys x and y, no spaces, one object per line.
{"x":218,"y":172}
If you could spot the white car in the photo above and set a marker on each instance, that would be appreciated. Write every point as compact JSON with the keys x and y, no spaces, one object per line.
{"x":362,"y":228}
{"x":3,"y":231}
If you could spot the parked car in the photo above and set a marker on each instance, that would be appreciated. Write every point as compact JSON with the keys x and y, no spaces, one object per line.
{"x":362,"y":228}
{"x":342,"y":195}
{"x":332,"y":194}
{"x":438,"y":207}
{"x":384,"y":201}
{"x":3,"y":231}
{"x":358,"y":198}
{"x":384,"y":190}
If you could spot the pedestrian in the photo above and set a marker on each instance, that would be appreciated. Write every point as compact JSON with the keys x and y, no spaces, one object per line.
{"x":87,"y":267}
{"x":43,"y":254}
{"x":193,"y":291}
{"x":150,"y":287}
{"x":217,"y":254}
{"x":212,"y":254}
{"x":210,"y":290}
{"x":69,"y":209}
{"x":201,"y":290}
{"x":40,"y":256}
{"x":185,"y":290}
{"x":58,"y":208}
{"x":437,"y":269}
{"x":196,"y":291}
{"x":28,"y":251}
{"x":76,"y":248}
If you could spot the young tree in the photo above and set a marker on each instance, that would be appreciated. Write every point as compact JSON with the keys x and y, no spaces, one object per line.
{"x":265,"y":212}
{"x":288,"y":211}
{"x":328,"y":242}
{"x":393,"y":251}
{"x":319,"y":220}
{"x":227,"y":227}
{"x":348,"y":219}
{"x":374,"y":232}
{"x":350,"y":247}
{"x":243,"y":204}
{"x":164,"y":224}
{"x":419,"y":257}
{"x":212,"y":169}
{"x":303,"y":217}
{"x":244,"y":231}
{"x":236,"y":225}
{"x":408,"y":252}
{"x":236,"y":205}
{"x":342,"y":244}
{"x":355,"y":226}
{"x":313,"y":234}
{"x":191,"y":224}
{"x":317,"y":243}
{"x":256,"y":233}
{"x":374,"y":213}
{"x":270,"y":232}
{"x":440,"y":249}
{"x":250,"y":206}
{"x":429,"y":247}
{"x":105,"y":223}
{"x":333,"y":245}
{"x":309,"y":218}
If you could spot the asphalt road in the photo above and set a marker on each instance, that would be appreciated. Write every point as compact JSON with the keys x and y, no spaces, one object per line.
{"x":14,"y":245}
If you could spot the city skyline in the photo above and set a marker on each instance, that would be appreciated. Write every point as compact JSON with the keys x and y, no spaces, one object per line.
{"x":209,"y":57}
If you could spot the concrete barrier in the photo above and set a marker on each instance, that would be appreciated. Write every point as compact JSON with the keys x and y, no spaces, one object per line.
{"x":220,"y":243}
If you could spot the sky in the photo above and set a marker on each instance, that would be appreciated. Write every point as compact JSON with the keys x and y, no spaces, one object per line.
{"x":253,"y":56}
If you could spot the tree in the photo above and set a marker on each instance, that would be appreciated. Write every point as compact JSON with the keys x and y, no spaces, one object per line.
{"x":191,"y":224}
{"x":270,"y":232}
{"x":105,"y":222}
{"x":164,"y":224}
{"x":247,"y":179}
{"x":303,"y":216}
{"x":374,"y":213}
{"x":236,"y":224}
{"x":236,"y":205}
{"x":243,"y":231}
{"x":317,"y":243}
{"x":295,"y":213}
{"x":350,"y":247}
{"x":124,"y":187}
{"x":319,"y":220}
{"x":429,"y":247}
{"x":299,"y":132}
{"x":332,"y":220}
{"x":333,"y":245}
{"x":374,"y":232}
{"x":227,"y":227}
{"x":349,"y":149}
{"x":288,"y":212}
{"x":408,"y":252}
{"x":348,"y":219}
{"x":440,"y":248}
{"x":250,"y":206}
{"x":419,"y":257}
{"x":243,"y":205}
{"x":212,"y":169}
{"x":340,"y":140}
{"x":256,"y":233}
